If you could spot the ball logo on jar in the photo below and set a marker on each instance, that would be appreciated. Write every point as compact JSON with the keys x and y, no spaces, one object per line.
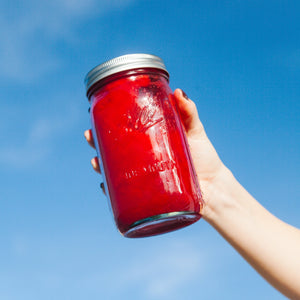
{"x":143,"y":118}
{"x":146,"y":118}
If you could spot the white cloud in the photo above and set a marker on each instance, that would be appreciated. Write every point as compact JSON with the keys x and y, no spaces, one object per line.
{"x":171,"y":267}
{"x":38,"y":141}
{"x":30,"y":31}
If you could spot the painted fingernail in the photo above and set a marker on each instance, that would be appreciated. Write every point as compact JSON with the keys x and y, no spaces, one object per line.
{"x":185,"y":95}
{"x":102,"y":185}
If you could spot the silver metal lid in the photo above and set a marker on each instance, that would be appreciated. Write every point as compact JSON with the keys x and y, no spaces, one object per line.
{"x":123,"y":63}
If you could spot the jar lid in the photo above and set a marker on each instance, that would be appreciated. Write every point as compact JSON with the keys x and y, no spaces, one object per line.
{"x":123,"y":63}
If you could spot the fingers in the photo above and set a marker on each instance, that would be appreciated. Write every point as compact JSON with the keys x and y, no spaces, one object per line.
{"x":89,"y":137}
{"x":103,"y":188}
{"x":189,"y":114}
{"x":94,"y":161}
{"x":95,"y":164}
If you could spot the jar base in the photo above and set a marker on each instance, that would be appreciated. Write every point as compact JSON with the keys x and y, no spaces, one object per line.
{"x":160,"y":224}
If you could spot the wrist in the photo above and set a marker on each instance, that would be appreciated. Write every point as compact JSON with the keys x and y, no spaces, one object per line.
{"x":222,"y":195}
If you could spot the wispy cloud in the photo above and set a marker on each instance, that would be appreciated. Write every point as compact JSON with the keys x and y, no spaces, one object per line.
{"x":30,"y":31}
{"x":170,"y":269}
{"x":157,"y":270}
{"x":38,"y":140}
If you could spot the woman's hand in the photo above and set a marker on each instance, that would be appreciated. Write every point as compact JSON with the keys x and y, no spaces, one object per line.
{"x":94,"y":161}
{"x":207,"y":163}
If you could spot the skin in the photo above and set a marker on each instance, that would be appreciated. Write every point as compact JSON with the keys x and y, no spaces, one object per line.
{"x":271,"y":246}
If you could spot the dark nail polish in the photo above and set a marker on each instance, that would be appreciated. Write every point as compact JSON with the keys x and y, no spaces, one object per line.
{"x":184,"y":95}
{"x":102,"y":185}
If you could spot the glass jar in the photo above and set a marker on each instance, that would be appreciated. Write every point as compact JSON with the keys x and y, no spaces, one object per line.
{"x":143,"y":155}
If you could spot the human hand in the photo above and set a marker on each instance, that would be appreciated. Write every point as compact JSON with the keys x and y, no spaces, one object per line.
{"x":208,"y":165}
{"x":94,"y":161}
{"x":211,"y":172}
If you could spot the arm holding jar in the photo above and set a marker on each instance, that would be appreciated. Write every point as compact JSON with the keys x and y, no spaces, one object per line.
{"x":271,"y":246}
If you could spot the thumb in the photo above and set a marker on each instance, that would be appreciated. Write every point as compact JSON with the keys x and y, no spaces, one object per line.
{"x":189,"y":114}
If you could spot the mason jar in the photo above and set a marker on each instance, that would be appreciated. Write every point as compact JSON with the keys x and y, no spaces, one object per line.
{"x":143,"y":154}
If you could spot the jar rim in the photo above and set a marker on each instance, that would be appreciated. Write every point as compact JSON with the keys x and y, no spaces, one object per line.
{"x":123,"y":63}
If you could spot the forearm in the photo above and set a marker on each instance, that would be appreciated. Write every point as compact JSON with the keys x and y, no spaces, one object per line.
{"x":271,"y":246}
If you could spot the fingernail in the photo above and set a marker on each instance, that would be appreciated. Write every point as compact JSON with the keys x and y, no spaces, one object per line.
{"x":185,"y":95}
{"x":102,"y":185}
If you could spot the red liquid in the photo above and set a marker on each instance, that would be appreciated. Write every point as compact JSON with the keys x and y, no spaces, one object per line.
{"x":144,"y":155}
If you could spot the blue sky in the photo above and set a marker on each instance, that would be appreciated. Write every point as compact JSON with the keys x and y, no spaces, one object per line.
{"x":238,"y":60}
